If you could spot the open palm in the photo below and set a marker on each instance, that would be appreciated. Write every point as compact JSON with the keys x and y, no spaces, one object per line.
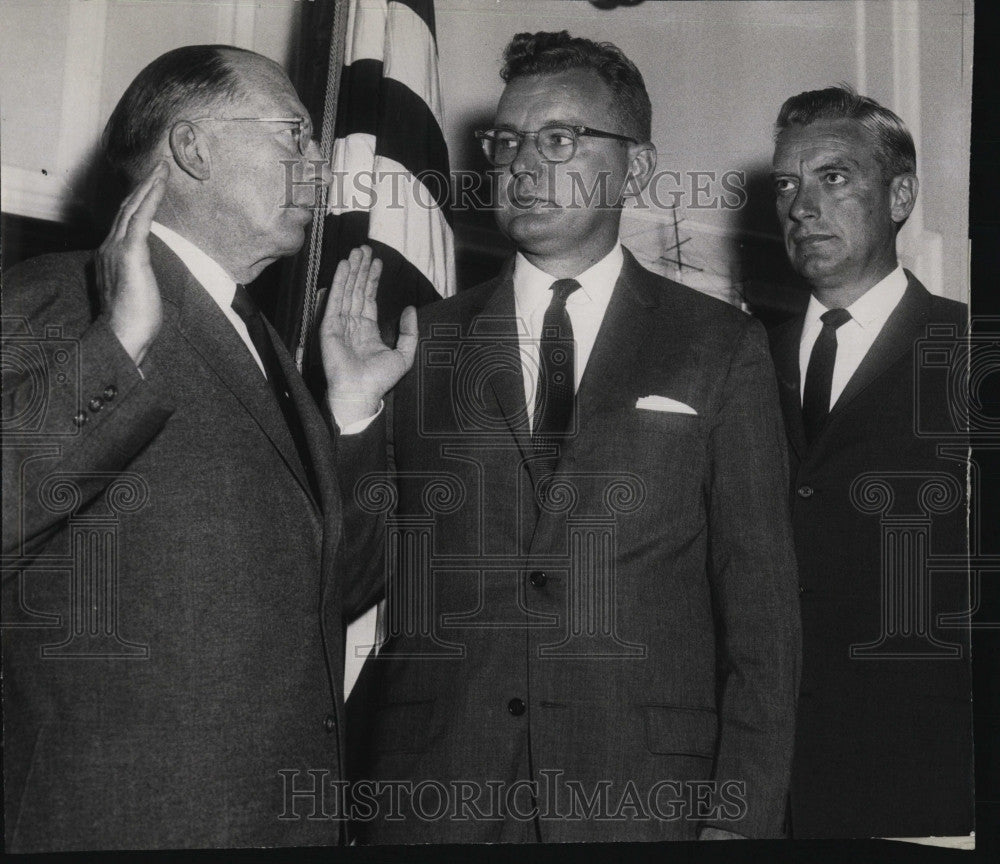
{"x":360,"y":368}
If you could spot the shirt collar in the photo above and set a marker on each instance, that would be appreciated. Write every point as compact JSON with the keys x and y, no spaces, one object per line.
{"x":873,"y":308}
{"x":207,"y":271}
{"x":531,"y":284}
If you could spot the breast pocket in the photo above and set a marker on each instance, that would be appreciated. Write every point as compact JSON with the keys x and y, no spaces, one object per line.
{"x":664,"y":425}
{"x":650,"y":444}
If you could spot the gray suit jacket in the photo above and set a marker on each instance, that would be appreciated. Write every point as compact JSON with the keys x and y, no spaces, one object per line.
{"x":639,"y":628}
{"x":172,"y":596}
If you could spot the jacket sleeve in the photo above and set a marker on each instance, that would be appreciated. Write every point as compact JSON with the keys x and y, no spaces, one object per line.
{"x":754,"y":589}
{"x":76,"y":409}
{"x":365,"y":482}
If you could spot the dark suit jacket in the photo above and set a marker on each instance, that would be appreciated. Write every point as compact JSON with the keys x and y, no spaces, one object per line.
{"x":640,"y":628}
{"x":209,"y":609}
{"x":884,"y":736}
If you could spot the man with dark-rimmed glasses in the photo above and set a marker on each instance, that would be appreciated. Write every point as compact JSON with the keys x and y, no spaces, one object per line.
{"x":597,"y":637}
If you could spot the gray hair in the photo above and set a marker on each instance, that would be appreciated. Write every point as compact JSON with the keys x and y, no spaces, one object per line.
{"x":185,"y":79}
{"x":894,"y":150}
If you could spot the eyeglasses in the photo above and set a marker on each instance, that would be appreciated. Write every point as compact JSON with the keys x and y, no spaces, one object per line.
{"x":555,"y":143}
{"x":301,"y":128}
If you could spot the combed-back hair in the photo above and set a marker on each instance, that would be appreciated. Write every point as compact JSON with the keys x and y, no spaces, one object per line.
{"x":173,"y":87}
{"x":548,"y":53}
{"x":894,"y":148}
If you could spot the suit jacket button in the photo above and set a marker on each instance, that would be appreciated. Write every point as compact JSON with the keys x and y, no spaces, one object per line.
{"x":516,"y":707}
{"x":109,"y":392}
{"x":96,"y":404}
{"x":538,"y":578}
{"x":79,"y":419}
{"x":805,"y":491}
{"x":330,"y":724}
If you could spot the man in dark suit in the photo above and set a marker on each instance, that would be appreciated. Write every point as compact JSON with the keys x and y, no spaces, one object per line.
{"x":591,"y":602}
{"x":883,"y":741}
{"x":174,"y":537}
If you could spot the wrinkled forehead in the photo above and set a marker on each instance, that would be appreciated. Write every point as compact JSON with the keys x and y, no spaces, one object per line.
{"x":822,"y":142}
{"x":267,"y":91}
{"x":577,"y":96}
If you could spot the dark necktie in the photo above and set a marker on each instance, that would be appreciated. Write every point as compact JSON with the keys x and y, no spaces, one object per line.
{"x":819,"y":373}
{"x":245,"y":307}
{"x":554,"y":393}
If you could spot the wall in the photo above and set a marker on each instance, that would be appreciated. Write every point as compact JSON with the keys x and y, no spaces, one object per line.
{"x":66,"y":63}
{"x":717,"y":73}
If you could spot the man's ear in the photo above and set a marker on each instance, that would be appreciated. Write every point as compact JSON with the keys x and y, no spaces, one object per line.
{"x":903,"y":190}
{"x":642,"y":163}
{"x":190,"y":150}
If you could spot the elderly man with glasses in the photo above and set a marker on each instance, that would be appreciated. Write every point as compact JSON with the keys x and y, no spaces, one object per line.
{"x":174,"y":589}
{"x":592,"y":608}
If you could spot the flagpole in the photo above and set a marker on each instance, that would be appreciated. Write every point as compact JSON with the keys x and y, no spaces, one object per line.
{"x":342,"y":14}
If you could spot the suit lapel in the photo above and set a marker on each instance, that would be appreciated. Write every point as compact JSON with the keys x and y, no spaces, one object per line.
{"x":609,"y":380}
{"x":497,"y":321}
{"x":203,"y":325}
{"x":895,"y":340}
{"x":785,"y":351}
{"x":314,"y":427}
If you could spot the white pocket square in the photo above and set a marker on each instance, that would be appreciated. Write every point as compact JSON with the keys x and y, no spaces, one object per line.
{"x":664,"y":403}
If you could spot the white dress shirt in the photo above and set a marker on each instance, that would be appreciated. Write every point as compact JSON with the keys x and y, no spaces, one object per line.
{"x":868,"y":316}
{"x":221,"y":287}
{"x":586,"y":307}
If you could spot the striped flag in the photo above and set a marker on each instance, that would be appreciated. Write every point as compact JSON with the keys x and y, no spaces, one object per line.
{"x":381,"y":130}
{"x":391,"y":186}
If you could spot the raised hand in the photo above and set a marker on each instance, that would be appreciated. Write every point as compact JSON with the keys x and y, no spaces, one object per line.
{"x":129,"y":294}
{"x":360,"y":368}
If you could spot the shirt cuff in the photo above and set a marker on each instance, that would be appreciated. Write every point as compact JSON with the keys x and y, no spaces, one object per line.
{"x":360,"y":425}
